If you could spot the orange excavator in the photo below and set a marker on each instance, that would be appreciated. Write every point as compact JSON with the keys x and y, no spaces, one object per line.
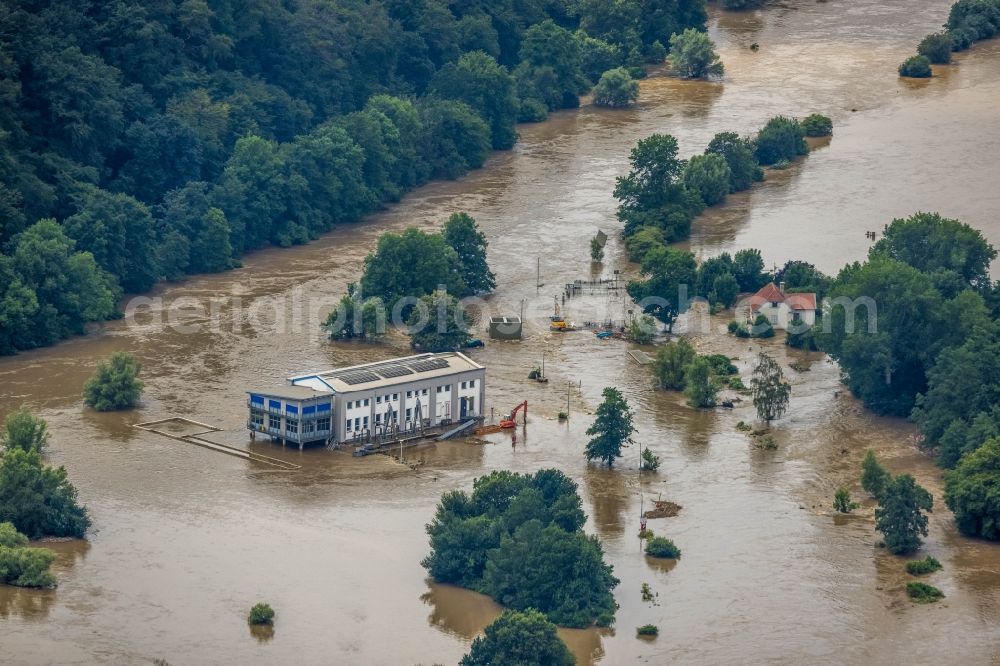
{"x":510,"y":420}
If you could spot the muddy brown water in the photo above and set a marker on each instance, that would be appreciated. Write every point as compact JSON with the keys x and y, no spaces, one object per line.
{"x":185,"y":540}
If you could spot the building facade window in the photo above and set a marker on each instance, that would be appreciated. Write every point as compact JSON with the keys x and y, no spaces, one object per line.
{"x":292,"y":426}
{"x":323,"y":425}
{"x":274,"y":421}
{"x":257,"y":420}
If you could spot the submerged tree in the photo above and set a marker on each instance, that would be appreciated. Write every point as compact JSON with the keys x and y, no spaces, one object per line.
{"x":612,"y":428}
{"x":438,"y":323}
{"x":874,"y":477}
{"x":693,"y":55}
{"x":700,"y":388}
{"x":972,"y":491}
{"x":526,"y":638}
{"x":353,"y":317}
{"x":115,"y":384}
{"x":769,"y":389}
{"x":616,"y":89}
{"x":463,"y":235}
{"x":38,"y":499}
{"x":672,"y":360}
{"x":23,"y":430}
{"x":899,"y":516}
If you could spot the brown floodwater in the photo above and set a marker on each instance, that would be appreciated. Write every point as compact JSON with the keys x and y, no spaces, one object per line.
{"x":185,"y":539}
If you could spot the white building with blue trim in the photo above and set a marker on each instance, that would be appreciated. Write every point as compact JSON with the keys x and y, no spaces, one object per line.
{"x":377,"y":400}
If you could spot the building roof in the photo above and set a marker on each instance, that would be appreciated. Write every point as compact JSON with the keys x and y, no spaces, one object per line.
{"x":292,"y":392}
{"x":771,"y":293}
{"x":383,"y":374}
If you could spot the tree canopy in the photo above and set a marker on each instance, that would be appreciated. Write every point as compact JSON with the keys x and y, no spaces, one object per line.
{"x":115,"y":384}
{"x":38,"y":499}
{"x":769,"y":389}
{"x":149,"y":141}
{"x":899,"y":516}
{"x":25,"y":431}
{"x":519,"y":637}
{"x":519,"y":539}
{"x":616,"y":88}
{"x":612,"y":428}
{"x":972,"y":491}
{"x":693,"y":55}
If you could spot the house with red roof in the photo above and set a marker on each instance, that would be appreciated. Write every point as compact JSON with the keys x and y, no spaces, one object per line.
{"x":780,"y":307}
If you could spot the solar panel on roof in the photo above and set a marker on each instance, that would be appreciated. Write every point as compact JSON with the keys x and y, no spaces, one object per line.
{"x":432,"y":364}
{"x":394,"y":371}
{"x":360,"y":377}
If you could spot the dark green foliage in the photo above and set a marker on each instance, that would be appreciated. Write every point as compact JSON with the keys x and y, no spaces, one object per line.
{"x":616,"y":89}
{"x":612,"y":428}
{"x":699,"y":388}
{"x":487,"y":87}
{"x":261,"y":613}
{"x":748,"y":269}
{"x":128,"y":121}
{"x":923,"y":593}
{"x":438,"y":323}
{"x":741,"y":158}
{"x":650,"y":461}
{"x":874,"y":477}
{"x":931,"y":243}
{"x":692,"y":55}
{"x":800,"y":276}
{"x":354,"y":318}
{"x":720,"y":364}
{"x":67,"y":288}
{"x":899,"y":515}
{"x":961,"y":39}
{"x":463,"y":235}
{"x":115,"y":384}
{"x":647,"y":630}
{"x":23,"y":430}
{"x":972,"y":491}
{"x":980,"y":18}
{"x":762,"y":327}
{"x":454,"y":138}
{"x":817,"y":125}
{"x":961,"y":407}
{"x":411,"y":264}
{"x":884,"y":350}
{"x":118,"y":231}
{"x":737,"y":5}
{"x":725,"y":289}
{"x":672,"y":360}
{"x":38,"y":499}
{"x":802,"y":339}
{"x":653,"y":192}
{"x":663,"y":548}
{"x":925,"y":566}
{"x":642,"y":241}
{"x":780,"y":139}
{"x":936,"y":47}
{"x":709,"y":271}
{"x":769,"y":389}
{"x":709,"y":176}
{"x":21,"y":566}
{"x":662,"y":293}
{"x":916,"y":67}
{"x":519,"y":538}
{"x":519,"y":637}
{"x":842,"y":501}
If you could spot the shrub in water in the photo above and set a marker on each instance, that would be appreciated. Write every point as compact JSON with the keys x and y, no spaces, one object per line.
{"x":817,"y":125}
{"x":647,"y":630}
{"x":924,"y":566}
{"x":261,"y":614}
{"x":916,"y":67}
{"x":663,"y":548}
{"x":937,"y":48}
{"x":923,"y":593}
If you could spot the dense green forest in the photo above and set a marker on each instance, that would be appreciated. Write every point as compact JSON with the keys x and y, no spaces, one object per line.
{"x":146,"y":141}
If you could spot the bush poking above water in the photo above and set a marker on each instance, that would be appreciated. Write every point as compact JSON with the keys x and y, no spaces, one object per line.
{"x":916,"y":67}
{"x":647,"y":630}
{"x":817,"y":125}
{"x":922,"y":593}
{"x":924,"y":566}
{"x":261,"y":613}
{"x":663,"y":548}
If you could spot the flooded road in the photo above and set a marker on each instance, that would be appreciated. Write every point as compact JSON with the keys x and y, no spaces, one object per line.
{"x":185,"y":540}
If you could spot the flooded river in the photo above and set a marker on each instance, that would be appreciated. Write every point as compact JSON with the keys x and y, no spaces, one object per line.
{"x":185,"y":539}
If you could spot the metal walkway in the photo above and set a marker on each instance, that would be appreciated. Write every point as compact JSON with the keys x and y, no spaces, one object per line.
{"x":456,"y":430}
{"x":195,"y":438}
